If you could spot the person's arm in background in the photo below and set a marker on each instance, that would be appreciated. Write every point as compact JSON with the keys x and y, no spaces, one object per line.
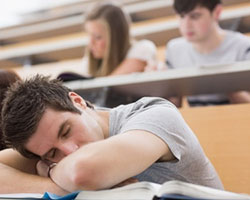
{"x":241,"y":96}
{"x":141,"y":54}
{"x":128,"y":66}
{"x":18,"y":175}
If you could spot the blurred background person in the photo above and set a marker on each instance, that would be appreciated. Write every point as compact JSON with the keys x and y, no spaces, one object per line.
{"x":205,"y":43}
{"x":111,"y":49}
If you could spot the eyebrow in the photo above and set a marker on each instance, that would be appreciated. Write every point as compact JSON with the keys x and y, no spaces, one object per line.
{"x":59,"y":133}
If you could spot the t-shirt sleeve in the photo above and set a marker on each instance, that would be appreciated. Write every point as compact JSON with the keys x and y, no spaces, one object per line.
{"x":242,"y":46}
{"x":144,"y":50}
{"x":166,"y":123}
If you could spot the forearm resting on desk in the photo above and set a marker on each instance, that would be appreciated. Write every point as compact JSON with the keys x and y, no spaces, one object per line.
{"x":18,"y":175}
{"x":15,"y":181}
{"x":239,"y":97}
{"x":97,"y":166}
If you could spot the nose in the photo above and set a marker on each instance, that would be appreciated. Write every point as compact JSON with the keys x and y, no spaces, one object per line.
{"x":68,"y":148}
{"x":186,"y":21}
{"x":91,"y":41}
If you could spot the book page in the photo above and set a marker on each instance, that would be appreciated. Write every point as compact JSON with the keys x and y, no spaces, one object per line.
{"x":138,"y":191}
{"x":197,"y":191}
{"x":21,"y":195}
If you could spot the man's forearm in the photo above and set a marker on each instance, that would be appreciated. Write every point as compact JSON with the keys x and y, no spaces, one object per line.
{"x":97,"y":166}
{"x":15,"y":181}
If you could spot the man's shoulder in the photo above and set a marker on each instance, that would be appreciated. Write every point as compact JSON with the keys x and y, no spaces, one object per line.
{"x":145,"y":102}
{"x":238,"y":37}
{"x":154,"y":101}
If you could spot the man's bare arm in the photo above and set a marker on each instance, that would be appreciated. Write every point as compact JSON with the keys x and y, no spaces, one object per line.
{"x":106,"y":163}
{"x":15,"y":160}
{"x":17,"y":175}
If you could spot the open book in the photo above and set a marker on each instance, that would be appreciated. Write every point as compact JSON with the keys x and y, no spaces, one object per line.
{"x":150,"y":191}
{"x":140,"y":191}
{"x":72,"y":76}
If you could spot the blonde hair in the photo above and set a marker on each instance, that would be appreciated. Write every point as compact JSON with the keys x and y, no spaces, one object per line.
{"x":116,"y":23}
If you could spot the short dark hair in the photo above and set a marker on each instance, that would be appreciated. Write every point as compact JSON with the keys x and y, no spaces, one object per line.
{"x":24,"y":106}
{"x":7,"y":77}
{"x":186,"y":6}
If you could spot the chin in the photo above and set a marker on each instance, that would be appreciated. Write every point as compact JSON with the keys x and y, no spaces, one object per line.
{"x":97,"y":56}
{"x":190,"y":38}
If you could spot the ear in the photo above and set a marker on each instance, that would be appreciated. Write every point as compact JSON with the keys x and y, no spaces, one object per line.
{"x":77,"y":100}
{"x":217,"y":12}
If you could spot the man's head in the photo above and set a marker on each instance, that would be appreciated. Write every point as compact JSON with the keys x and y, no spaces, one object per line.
{"x":39,"y":110}
{"x":197,"y":17}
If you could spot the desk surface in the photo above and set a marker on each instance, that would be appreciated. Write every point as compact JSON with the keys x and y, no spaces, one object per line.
{"x":189,"y":81}
{"x":223,"y":132}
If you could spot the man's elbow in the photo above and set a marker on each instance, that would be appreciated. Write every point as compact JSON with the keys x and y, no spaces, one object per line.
{"x":86,"y":176}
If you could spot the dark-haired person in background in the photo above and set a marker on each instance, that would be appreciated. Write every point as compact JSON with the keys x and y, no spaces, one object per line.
{"x":204,"y":43}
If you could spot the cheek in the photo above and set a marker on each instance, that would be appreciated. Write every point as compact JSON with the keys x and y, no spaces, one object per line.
{"x":182,"y":29}
{"x":82,"y":135}
{"x":101,"y":48}
{"x":182,"y":25}
{"x":186,"y":26}
{"x":102,"y":45}
{"x":203,"y":27}
{"x":79,"y":137}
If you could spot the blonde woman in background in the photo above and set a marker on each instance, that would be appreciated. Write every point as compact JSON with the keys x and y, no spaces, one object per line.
{"x":111,"y":50}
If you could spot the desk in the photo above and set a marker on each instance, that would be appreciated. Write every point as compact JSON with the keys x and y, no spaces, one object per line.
{"x":70,"y":19}
{"x":72,"y":45}
{"x":190,"y":81}
{"x":224,"y":132}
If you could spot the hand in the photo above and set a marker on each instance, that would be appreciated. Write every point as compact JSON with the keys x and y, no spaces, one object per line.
{"x":159,"y":66}
{"x":150,"y":68}
{"x":239,"y":97}
{"x":42,"y":168}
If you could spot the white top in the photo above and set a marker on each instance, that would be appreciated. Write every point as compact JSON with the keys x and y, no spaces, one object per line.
{"x":143,"y":50}
{"x":181,"y":54}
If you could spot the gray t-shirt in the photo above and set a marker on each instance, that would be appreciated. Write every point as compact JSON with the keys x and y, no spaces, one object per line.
{"x":181,"y":54}
{"x":161,"y":118}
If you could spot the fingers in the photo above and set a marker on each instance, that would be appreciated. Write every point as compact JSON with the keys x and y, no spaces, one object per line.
{"x":42,"y":168}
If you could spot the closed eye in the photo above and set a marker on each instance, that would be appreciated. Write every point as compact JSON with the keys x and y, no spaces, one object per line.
{"x":51,"y":154}
{"x":66,"y":133}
